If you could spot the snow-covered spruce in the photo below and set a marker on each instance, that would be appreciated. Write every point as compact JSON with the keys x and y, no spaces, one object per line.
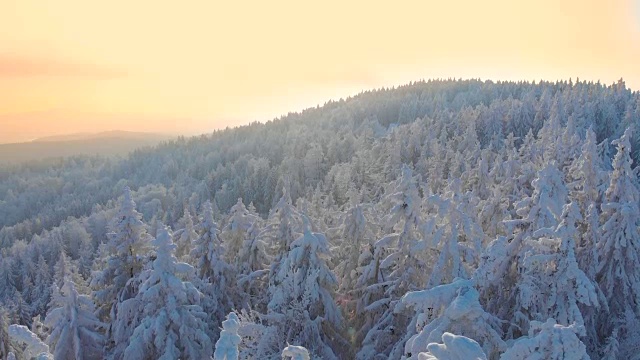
{"x":208,"y":252}
{"x":619,"y":248}
{"x":215,"y":278}
{"x":549,"y":341}
{"x":399,"y":261}
{"x":126,"y":253}
{"x":227,"y":344}
{"x":76,"y":333}
{"x":457,"y":237}
{"x":354,"y":233}
{"x":450,"y":308}
{"x":302,"y":309}
{"x":172,"y":324}
{"x":240,"y":221}
{"x":283,"y":225}
{"x":185,"y":235}
{"x":508,"y":270}
{"x":30,"y":345}
{"x":5,"y":346}
{"x":247,"y":254}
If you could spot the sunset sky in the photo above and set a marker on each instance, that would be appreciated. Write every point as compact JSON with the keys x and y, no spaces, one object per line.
{"x":188,"y":67}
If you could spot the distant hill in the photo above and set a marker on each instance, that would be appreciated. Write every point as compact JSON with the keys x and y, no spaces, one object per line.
{"x":109,"y":143}
{"x":114,"y":134}
{"x":65,"y":137}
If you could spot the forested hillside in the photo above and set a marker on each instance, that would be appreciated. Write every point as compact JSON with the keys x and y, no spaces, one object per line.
{"x":441,"y":219}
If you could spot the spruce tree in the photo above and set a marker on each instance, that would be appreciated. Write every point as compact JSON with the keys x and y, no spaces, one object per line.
{"x":172,"y":322}
{"x":619,"y":247}
{"x":75,"y":332}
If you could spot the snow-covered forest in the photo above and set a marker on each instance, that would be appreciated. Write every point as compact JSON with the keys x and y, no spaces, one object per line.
{"x":437,"y":220}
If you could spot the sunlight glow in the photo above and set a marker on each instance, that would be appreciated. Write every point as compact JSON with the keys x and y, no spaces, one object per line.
{"x":637,"y":15}
{"x":200,"y":65}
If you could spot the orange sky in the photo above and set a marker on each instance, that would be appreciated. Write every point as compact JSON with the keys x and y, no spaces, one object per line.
{"x":196,"y":65}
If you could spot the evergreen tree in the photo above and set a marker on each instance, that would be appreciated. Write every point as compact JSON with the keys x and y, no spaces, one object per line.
{"x":208,"y":251}
{"x":215,"y":278}
{"x":75,"y":330}
{"x":62,"y":269}
{"x":302,"y":304}
{"x":402,"y":263}
{"x":172,"y":324}
{"x":22,"y":313}
{"x":588,"y":262}
{"x":567,"y":287}
{"x":369,"y":291}
{"x":227,"y":345}
{"x":253,"y":255}
{"x":27,"y":344}
{"x":446,"y":308}
{"x":128,"y":246}
{"x":459,"y":239}
{"x":39,"y":328}
{"x":586,"y":177}
{"x":282,"y":227}
{"x":5,"y":346}
{"x":186,"y":235}
{"x":548,"y":341}
{"x":126,"y":253}
{"x":354,"y":233}
{"x":253,"y":270}
{"x":543,"y":208}
{"x":619,"y":249}
{"x":42,"y":287}
{"x":235,"y":232}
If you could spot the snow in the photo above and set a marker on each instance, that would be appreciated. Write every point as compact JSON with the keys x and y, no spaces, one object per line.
{"x":455,"y":308}
{"x":453,"y":347}
{"x":172,"y":323}
{"x":35,"y":348}
{"x":550,"y":341}
{"x":227,"y":345}
{"x":75,"y":332}
{"x":295,"y":353}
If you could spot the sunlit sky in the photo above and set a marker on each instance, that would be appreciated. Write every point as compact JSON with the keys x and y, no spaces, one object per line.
{"x":189,"y":66}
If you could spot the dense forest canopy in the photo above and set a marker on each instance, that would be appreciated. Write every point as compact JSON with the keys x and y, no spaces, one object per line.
{"x":435,"y":218}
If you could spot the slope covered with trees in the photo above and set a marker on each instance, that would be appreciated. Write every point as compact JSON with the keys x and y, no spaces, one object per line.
{"x":440,"y":219}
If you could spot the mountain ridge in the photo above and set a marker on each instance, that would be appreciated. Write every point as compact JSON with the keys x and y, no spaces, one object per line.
{"x":107,"y":143}
{"x":100,"y":135}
